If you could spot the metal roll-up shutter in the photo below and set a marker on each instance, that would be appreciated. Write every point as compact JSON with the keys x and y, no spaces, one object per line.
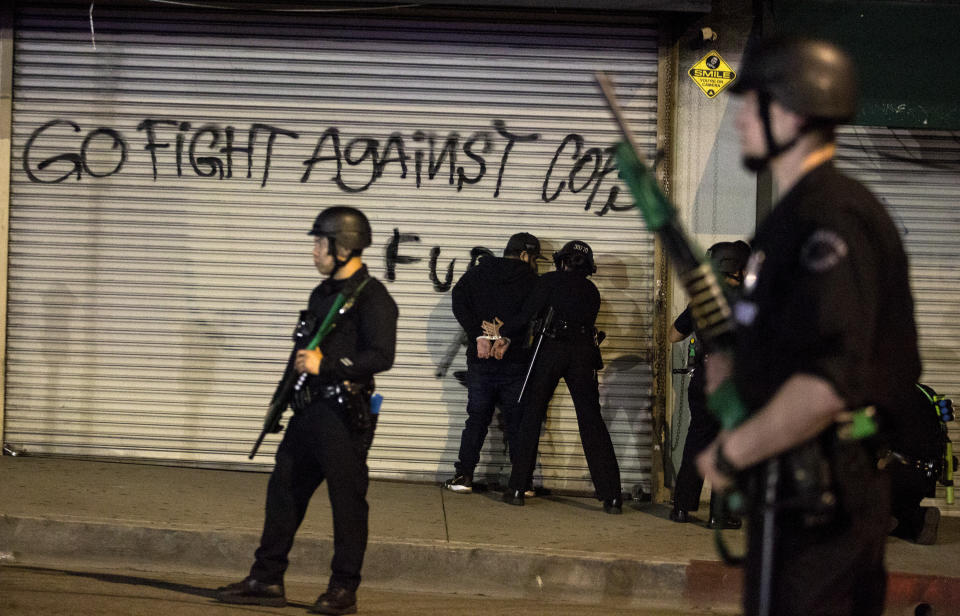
{"x":916,"y":173}
{"x":153,"y":288}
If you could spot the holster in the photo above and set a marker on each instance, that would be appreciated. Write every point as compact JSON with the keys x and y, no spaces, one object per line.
{"x":562,"y":330}
{"x":350,"y":399}
{"x":808,"y":484}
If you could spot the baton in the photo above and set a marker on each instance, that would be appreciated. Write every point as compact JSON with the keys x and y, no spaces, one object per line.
{"x":536,"y":351}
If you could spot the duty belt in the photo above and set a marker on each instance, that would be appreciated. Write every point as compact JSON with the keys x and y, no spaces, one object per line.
{"x":338,"y":390}
{"x":560,"y":328}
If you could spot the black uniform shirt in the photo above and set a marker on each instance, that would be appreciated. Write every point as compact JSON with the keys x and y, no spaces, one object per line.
{"x":827,"y":293}
{"x":696,"y":392}
{"x":684,"y":324}
{"x":364,"y":339}
{"x":574,"y":298}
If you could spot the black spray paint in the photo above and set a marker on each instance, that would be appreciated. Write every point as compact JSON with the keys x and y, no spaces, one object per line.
{"x":211,"y":151}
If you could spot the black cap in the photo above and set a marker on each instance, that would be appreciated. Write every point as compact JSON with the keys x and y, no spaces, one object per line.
{"x":520,"y":242}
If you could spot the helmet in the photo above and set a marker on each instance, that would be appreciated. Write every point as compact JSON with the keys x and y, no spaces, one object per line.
{"x":812,"y":78}
{"x":578,"y":255}
{"x":729,"y":257}
{"x":347,"y":226}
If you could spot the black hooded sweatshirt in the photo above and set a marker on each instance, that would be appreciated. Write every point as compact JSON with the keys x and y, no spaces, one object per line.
{"x":495,"y":287}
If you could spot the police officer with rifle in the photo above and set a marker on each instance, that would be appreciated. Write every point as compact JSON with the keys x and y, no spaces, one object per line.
{"x":825,"y":327}
{"x":824,"y":336}
{"x":568,"y":349}
{"x":729,"y":259}
{"x":333,"y":423}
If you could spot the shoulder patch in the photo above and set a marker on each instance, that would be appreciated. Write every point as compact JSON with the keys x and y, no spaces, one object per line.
{"x":823,"y":250}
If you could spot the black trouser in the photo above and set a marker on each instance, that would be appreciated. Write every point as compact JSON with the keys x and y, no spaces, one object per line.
{"x":908,"y":486}
{"x":489,"y":386}
{"x":836,"y":569}
{"x":703,"y":429}
{"x":574,"y":360}
{"x":317,"y":446}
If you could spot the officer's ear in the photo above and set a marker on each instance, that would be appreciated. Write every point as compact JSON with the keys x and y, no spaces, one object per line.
{"x":344,"y":253}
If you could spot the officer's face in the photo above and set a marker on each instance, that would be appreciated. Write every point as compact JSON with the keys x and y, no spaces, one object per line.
{"x":322,"y":258}
{"x":733,"y":280}
{"x":753,"y":141}
{"x":750,"y":127}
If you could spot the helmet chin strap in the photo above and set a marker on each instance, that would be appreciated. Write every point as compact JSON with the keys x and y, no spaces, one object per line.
{"x":332,"y":251}
{"x":337,"y":263}
{"x":758,"y":163}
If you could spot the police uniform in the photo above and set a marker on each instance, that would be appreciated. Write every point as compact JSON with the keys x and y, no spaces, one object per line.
{"x":919,"y":448}
{"x":569,"y":350}
{"x":321,"y":442}
{"x":703,"y":428}
{"x":333,"y":424}
{"x":729,"y":258}
{"x":827,"y":293}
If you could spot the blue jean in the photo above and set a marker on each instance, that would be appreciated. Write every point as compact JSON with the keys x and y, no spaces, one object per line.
{"x":489,"y":386}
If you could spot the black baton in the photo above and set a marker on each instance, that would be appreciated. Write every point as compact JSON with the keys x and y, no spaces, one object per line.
{"x":536,"y":351}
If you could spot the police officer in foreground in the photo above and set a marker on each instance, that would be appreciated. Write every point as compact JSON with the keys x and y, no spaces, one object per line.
{"x":496,"y":286}
{"x":825,"y":327}
{"x":729,"y":259}
{"x":570,"y":351}
{"x":332,"y":426}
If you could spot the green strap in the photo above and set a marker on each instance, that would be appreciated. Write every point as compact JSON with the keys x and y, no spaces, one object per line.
{"x":329,"y":321}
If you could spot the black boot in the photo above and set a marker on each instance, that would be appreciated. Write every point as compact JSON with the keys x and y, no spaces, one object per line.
{"x":253,"y":592}
{"x":720,"y":516}
{"x":513,"y":497}
{"x":931,"y":524}
{"x":613,"y":505}
{"x":679,"y":515}
{"x":729,"y":522}
{"x":337,"y":600}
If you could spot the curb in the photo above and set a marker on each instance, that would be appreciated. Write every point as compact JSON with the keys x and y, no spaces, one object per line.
{"x":422,"y":566}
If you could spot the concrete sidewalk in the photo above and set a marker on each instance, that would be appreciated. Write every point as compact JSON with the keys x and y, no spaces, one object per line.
{"x":151,"y":517}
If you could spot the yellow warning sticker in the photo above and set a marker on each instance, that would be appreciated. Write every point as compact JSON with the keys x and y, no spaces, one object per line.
{"x":712,"y":74}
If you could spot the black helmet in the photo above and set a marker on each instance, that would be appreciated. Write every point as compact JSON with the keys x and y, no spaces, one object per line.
{"x":347,"y":226}
{"x":729,"y":257}
{"x":577,"y":255}
{"x":812,"y":78}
